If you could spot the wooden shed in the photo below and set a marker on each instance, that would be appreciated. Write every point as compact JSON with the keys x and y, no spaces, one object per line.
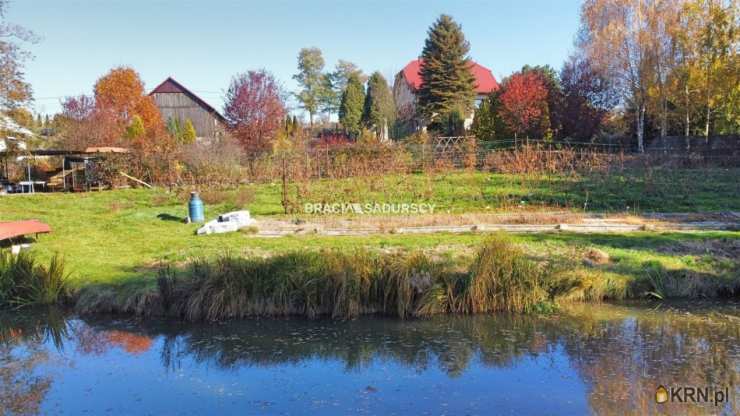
{"x":178,"y":103}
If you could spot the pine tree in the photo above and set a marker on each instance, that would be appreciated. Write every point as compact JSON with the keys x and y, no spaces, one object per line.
{"x":350,"y":109}
{"x":188,"y":132}
{"x":379,"y":112}
{"x":448,"y":85}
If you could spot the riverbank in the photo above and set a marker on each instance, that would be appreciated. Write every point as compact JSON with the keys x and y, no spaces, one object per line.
{"x":116,"y":244}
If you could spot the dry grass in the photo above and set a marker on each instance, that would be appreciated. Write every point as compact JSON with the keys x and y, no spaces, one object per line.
{"x":334,"y":283}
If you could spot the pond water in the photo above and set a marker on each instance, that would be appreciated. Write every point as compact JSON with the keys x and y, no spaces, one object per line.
{"x":589,"y":359}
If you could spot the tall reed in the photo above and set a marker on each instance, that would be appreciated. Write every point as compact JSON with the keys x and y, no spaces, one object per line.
{"x":344,"y":285}
{"x":24,"y":282}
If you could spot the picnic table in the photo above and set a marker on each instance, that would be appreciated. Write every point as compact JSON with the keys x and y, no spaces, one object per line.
{"x":14,"y":229}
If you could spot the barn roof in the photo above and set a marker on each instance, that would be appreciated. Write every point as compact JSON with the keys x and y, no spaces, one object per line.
{"x":170,"y":86}
{"x":484,"y":79}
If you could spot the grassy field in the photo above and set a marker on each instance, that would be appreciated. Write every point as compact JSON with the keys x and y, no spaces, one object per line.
{"x":122,"y":236}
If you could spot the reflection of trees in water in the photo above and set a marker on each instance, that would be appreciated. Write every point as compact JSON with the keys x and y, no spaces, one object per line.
{"x":625,"y":360}
{"x":450,"y":343}
{"x":21,"y":391}
{"x":21,"y":351}
{"x":621,"y":354}
{"x":25,"y":339}
{"x":90,"y":340}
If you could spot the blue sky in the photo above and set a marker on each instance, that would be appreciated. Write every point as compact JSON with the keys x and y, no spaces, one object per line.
{"x":203,"y":43}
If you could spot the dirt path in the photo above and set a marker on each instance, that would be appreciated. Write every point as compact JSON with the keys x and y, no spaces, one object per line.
{"x":515,"y":222}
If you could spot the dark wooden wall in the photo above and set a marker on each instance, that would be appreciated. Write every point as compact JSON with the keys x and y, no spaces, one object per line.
{"x":180,"y":106}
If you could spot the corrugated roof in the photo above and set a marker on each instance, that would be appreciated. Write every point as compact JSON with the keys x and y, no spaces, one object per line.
{"x":484,"y":79}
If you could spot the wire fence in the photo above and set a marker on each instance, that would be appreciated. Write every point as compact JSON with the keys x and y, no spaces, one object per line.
{"x":505,"y":156}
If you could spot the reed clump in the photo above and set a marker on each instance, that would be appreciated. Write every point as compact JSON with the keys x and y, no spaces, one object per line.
{"x":344,"y":285}
{"x":25,"y":282}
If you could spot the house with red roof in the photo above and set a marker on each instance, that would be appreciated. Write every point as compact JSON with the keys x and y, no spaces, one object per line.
{"x":175,"y":102}
{"x":408,"y":82}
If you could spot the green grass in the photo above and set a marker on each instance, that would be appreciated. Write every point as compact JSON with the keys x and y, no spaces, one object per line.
{"x":122,"y":236}
{"x":459,"y":192}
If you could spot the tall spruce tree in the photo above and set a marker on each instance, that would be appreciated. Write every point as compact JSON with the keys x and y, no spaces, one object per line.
{"x":350,"y":108}
{"x":448,"y":85}
{"x":379,"y":112}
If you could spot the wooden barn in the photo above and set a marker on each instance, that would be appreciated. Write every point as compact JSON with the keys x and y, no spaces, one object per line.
{"x":178,"y":103}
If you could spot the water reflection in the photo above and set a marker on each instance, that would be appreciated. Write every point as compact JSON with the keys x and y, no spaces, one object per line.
{"x":606,"y":360}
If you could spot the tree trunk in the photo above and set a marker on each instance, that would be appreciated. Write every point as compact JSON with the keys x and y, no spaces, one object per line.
{"x":706,"y":123}
{"x":641,"y":128}
{"x":709,"y":109}
{"x":687,"y":129}
{"x":663,"y":116}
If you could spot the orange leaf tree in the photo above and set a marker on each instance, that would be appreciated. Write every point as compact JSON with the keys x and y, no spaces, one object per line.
{"x":120,"y":93}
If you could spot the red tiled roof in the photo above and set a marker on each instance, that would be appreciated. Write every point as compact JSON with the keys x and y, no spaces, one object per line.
{"x":485,"y":81}
{"x":170,"y":86}
{"x":14,"y":229}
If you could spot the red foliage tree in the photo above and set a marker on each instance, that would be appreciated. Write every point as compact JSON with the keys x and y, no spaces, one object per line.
{"x":524,"y":104}
{"x":254,"y":109}
{"x":588,"y":98}
{"x":83,"y":125}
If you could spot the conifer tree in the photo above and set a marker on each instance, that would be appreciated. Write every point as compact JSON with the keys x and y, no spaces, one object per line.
{"x":135,"y":129}
{"x":448,"y":85}
{"x":174,"y":128}
{"x":188,"y":132}
{"x":350,"y":109}
{"x":379,"y":111}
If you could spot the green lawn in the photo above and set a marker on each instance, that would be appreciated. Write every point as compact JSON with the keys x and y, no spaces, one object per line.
{"x":119,"y":236}
{"x":630,"y":190}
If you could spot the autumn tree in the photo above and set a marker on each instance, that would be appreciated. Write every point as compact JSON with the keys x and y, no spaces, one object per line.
{"x":448,"y":85}
{"x":350,"y":110}
{"x":615,"y":37}
{"x":587,"y":99}
{"x":315,"y":88}
{"x":254,"y":109}
{"x":524,"y":104}
{"x":121,"y":94}
{"x":15,"y":91}
{"x":82,"y":126}
{"x":379,"y":113}
{"x":549,"y":76}
{"x":709,"y":45}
